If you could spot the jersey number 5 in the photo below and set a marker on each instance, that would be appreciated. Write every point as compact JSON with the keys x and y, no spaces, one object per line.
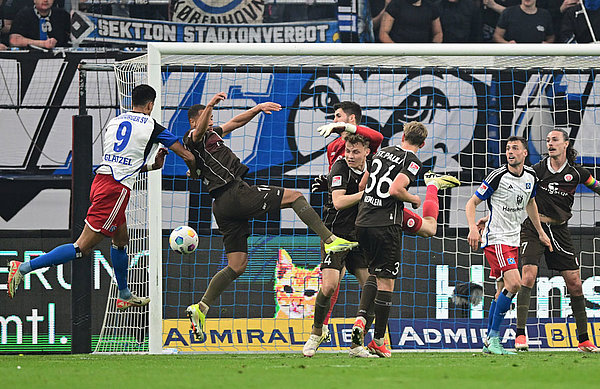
{"x":123,"y":134}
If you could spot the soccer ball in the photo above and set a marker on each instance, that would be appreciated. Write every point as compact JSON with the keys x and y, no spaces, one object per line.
{"x":183,"y":240}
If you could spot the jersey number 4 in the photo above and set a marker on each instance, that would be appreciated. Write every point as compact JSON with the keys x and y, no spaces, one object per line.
{"x":376,"y":182}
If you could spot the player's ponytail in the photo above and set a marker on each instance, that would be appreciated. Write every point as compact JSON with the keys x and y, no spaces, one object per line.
{"x":571,"y":152}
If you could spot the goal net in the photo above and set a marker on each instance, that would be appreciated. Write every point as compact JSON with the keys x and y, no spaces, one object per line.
{"x":471,"y":98}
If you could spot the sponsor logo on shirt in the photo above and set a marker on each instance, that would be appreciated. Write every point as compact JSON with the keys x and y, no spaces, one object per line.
{"x":336,"y":181}
{"x":540,"y":28}
{"x":482,"y":189}
{"x":413,"y":168}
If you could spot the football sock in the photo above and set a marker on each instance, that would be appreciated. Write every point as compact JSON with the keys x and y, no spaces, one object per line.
{"x":321,"y":308}
{"x":218,"y":284}
{"x":502,"y":306}
{"x":431,"y":205}
{"x":367,"y":298}
{"x":120,"y":262}
{"x":58,"y":256}
{"x":578,"y":307}
{"x":383,"y":304}
{"x":332,"y":301}
{"x":491,"y":317}
{"x":307,"y":214}
{"x":523,"y":298}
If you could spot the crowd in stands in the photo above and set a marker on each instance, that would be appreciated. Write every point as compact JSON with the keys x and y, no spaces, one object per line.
{"x":45,"y":23}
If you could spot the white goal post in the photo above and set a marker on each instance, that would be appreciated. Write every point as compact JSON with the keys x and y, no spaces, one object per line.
{"x":374,"y":57}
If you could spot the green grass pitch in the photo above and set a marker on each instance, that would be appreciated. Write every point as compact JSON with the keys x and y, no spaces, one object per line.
{"x":287,"y":371}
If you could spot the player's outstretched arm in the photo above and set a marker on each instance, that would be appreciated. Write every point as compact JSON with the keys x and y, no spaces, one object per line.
{"x":342,"y":201}
{"x":375,"y":137}
{"x":474,"y":237}
{"x":187,"y":156}
{"x":201,"y":125}
{"x":399,"y":192}
{"x":245,"y":117}
{"x":532,"y":212}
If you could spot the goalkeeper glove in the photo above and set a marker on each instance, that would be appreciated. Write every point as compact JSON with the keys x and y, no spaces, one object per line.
{"x":319,"y":184}
{"x":327,"y":129}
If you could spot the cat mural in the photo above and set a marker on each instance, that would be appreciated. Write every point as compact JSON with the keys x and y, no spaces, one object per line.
{"x":295,"y":288}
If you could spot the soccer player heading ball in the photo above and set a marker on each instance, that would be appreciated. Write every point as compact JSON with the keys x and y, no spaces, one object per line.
{"x":128,"y":140}
{"x":236,"y":202}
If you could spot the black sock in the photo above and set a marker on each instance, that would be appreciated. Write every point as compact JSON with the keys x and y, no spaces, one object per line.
{"x":523,"y":299}
{"x":383,"y":304}
{"x":578,"y":307}
{"x":307,"y":214}
{"x":367,"y":297}
{"x":218,"y":284}
{"x":321,"y":309}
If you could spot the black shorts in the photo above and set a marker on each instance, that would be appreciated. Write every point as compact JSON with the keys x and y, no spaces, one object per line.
{"x":237,"y":205}
{"x":563,"y":255}
{"x":352,"y":260}
{"x":382,"y":247}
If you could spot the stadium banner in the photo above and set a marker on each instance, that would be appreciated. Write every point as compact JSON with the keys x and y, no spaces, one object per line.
{"x":223,"y":335}
{"x":218,"y":11}
{"x":100,"y":28}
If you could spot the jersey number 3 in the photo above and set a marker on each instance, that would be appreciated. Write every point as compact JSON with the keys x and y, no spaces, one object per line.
{"x":123,"y":134}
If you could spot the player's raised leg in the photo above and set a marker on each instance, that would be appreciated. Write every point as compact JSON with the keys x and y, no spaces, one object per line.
{"x":295,"y":200}
{"x":59,"y":255}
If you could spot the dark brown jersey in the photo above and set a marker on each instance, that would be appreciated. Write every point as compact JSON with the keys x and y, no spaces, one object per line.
{"x":218,"y":165}
{"x":556,"y":189}
{"x":377,"y":207}
{"x":341,"y":177}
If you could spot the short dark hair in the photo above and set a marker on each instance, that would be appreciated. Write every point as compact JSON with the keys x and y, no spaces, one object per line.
{"x":349,"y":108}
{"x":357,"y":138}
{"x":515,"y":138}
{"x":195,"y":110}
{"x":142,"y":95}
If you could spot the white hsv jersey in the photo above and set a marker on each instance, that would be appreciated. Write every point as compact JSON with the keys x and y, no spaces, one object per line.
{"x":128,"y":141}
{"x":507,"y":196}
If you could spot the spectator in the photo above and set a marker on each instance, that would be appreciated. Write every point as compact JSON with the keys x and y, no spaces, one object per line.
{"x":377,"y":8}
{"x":574,"y":24}
{"x":461,"y":21}
{"x":524,"y":23}
{"x":41,"y":25}
{"x":490,"y":14}
{"x":410,"y":21}
{"x":3,"y":28}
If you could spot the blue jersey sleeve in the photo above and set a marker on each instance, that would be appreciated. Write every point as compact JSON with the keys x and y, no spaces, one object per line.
{"x":484,"y":191}
{"x":167,"y":138}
